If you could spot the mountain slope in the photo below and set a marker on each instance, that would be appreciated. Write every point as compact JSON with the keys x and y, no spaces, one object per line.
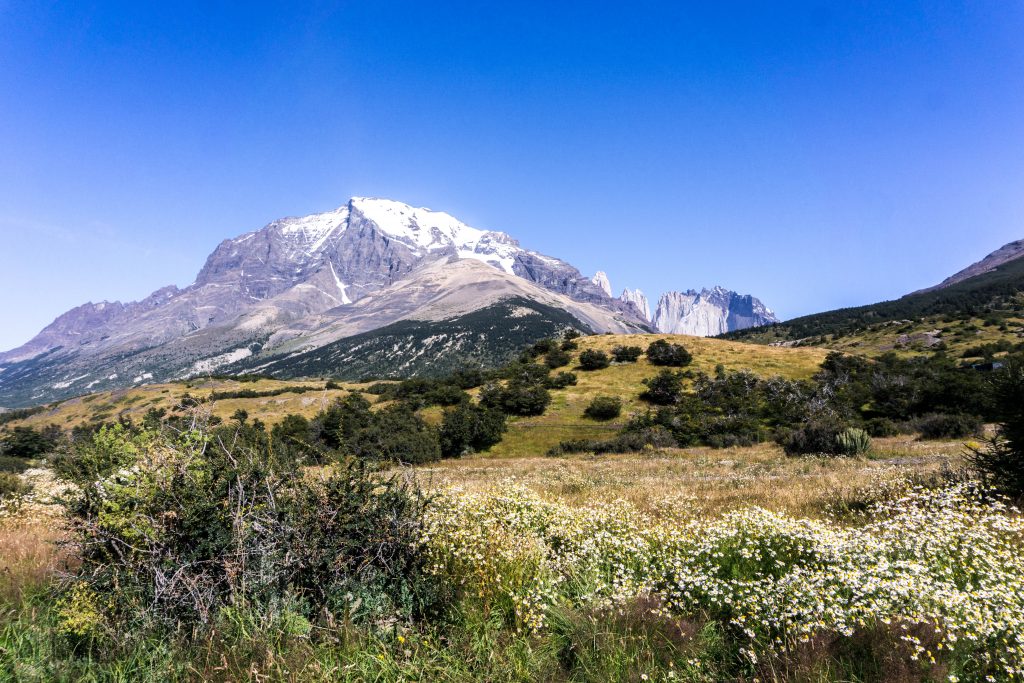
{"x":338,"y":270}
{"x":997,"y":292}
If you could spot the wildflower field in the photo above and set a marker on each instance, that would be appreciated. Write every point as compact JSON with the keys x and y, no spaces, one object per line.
{"x":940,"y":569}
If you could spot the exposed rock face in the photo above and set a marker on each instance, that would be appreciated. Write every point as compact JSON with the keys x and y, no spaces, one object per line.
{"x":601,"y":280}
{"x":709,"y":312}
{"x":638,"y":300}
{"x":1004,"y":254}
{"x":270,"y":285}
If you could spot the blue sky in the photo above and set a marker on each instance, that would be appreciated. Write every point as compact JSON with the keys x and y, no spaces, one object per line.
{"x":815,"y":154}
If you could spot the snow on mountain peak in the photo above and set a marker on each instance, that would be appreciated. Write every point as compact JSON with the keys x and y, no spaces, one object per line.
{"x":310,"y":232}
{"x":425,"y":230}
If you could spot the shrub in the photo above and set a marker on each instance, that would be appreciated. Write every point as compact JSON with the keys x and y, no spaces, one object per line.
{"x":556,"y":358}
{"x":27,"y":442}
{"x":661,"y":352}
{"x":470,"y":427}
{"x":815,"y":437}
{"x":626,"y":354}
{"x":561,"y":380}
{"x":593,"y":359}
{"x":395,"y":434}
{"x":943,"y":426}
{"x":199,"y":526}
{"x":604,"y":408}
{"x":12,"y":465}
{"x":627,"y":442}
{"x":663,"y":389}
{"x":11,"y":485}
{"x":852,"y":441}
{"x":516,"y":398}
{"x":881,"y":427}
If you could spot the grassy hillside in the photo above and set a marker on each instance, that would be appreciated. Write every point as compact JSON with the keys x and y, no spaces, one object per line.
{"x":133,"y":403}
{"x":564,"y":418}
{"x":994,"y":301}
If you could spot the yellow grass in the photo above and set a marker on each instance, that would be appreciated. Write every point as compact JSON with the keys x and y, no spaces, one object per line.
{"x":564,"y":418}
{"x":700,"y":481}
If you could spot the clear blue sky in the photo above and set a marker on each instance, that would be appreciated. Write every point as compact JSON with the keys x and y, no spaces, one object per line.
{"x":815,"y":154}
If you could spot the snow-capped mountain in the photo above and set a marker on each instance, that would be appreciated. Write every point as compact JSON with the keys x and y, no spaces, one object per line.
{"x":296,"y":283}
{"x":709,"y":312}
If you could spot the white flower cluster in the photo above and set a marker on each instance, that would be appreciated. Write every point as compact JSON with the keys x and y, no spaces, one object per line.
{"x":948,"y":559}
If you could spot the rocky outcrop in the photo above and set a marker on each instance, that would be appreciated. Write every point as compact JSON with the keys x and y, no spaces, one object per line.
{"x":601,"y":280}
{"x":638,"y":300}
{"x":709,"y":312}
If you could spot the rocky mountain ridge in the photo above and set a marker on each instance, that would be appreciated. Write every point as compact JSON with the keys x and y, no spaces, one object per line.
{"x":300,"y":283}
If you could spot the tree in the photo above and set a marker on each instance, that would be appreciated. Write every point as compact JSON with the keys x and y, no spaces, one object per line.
{"x":556,"y":358}
{"x":1001,"y":461}
{"x":663,"y":389}
{"x":661,"y":352}
{"x":592,"y":359}
{"x":469,"y":427}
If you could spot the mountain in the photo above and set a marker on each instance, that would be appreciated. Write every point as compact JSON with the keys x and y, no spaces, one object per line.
{"x":989,"y":292}
{"x":1002,"y":255}
{"x":709,"y":312}
{"x":298,"y":284}
{"x":600,"y":279}
{"x":637,"y":299}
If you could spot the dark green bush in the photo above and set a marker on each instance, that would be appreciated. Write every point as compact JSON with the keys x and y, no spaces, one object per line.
{"x":469,"y":427}
{"x":593,"y":359}
{"x":663,"y":389}
{"x":28,"y":442}
{"x":626,"y":354}
{"x":561,"y":380}
{"x":661,"y":352}
{"x":12,"y":465}
{"x":395,"y":434}
{"x":199,"y":526}
{"x":881,"y":427}
{"x":816,"y":437}
{"x":627,"y":442}
{"x":942,"y":426}
{"x":604,"y":408}
{"x":1000,"y":461}
{"x":556,"y":358}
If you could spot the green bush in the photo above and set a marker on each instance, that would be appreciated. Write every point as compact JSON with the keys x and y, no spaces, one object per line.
{"x":942,"y":426}
{"x":852,"y":441}
{"x":469,"y":427}
{"x":816,"y":437}
{"x":561,"y":380}
{"x":12,"y":465}
{"x":663,"y":389}
{"x":1000,"y":461}
{"x":395,"y":434}
{"x":627,"y":442}
{"x":556,"y":358}
{"x":11,"y":485}
{"x":626,"y":354}
{"x":881,"y":427}
{"x":592,"y":359}
{"x":28,"y":442}
{"x":604,"y":408}
{"x":199,"y":527}
{"x":661,"y":352}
